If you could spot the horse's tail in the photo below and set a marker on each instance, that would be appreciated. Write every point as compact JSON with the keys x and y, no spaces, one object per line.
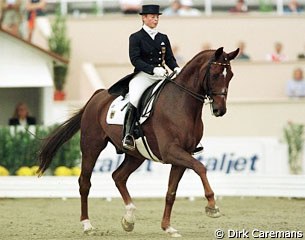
{"x":55,"y":140}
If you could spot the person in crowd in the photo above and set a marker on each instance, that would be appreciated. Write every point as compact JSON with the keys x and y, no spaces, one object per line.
{"x":293,"y":7}
{"x":296,"y":86}
{"x":21,"y":116}
{"x":149,"y":52}
{"x":277,"y":55}
{"x":240,"y":7}
{"x":242,"y":55}
{"x":206,"y":46}
{"x":130,"y":6}
{"x":11,"y":16}
{"x":179,"y":58}
{"x":187,"y":9}
{"x":35,"y":8}
{"x":173,"y":9}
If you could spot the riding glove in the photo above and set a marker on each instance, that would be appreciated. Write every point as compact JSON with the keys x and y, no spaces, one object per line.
{"x":159,"y":72}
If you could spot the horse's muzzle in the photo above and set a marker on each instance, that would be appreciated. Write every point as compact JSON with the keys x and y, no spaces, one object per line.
{"x":219,"y":112}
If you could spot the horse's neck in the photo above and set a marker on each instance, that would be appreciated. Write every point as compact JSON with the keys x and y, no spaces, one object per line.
{"x":180,"y":100}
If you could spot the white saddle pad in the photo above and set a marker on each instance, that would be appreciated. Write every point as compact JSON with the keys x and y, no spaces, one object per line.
{"x":117,"y":109}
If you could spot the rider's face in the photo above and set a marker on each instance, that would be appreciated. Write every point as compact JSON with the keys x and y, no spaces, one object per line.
{"x":151,"y":20}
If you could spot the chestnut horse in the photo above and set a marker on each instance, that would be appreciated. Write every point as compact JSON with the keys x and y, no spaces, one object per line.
{"x":173,"y":132}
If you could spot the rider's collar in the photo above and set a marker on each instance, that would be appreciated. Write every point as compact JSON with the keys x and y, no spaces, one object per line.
{"x":152,"y":32}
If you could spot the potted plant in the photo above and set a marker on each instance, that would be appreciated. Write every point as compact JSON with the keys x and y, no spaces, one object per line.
{"x":294,"y":136}
{"x":59,"y":43}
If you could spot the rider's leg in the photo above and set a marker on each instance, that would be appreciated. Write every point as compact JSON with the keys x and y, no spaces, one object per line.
{"x":128,"y":140}
{"x":136,"y":88}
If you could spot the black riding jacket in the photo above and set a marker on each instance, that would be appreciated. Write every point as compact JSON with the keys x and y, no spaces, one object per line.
{"x":145,"y":53}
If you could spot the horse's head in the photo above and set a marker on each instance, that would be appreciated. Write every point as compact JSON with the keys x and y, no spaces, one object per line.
{"x":217,"y":78}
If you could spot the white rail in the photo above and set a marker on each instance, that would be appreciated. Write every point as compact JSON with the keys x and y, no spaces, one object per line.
{"x":147,"y":185}
{"x":102,"y":3}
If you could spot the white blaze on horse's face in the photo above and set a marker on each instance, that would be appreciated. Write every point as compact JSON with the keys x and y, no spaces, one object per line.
{"x":224,"y":72}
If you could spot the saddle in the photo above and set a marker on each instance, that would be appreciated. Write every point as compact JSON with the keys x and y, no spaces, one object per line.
{"x":117,"y":110}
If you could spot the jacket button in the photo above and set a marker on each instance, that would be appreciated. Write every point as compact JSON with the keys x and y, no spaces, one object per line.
{"x":159,"y":65}
{"x":160,"y":52}
{"x":159,"y":58}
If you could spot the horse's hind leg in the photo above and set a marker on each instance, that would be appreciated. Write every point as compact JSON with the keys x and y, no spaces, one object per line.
{"x":89,"y":157}
{"x":175,"y":176}
{"x":120,"y":177}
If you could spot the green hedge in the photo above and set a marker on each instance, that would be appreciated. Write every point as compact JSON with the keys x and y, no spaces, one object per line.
{"x":19,"y":147}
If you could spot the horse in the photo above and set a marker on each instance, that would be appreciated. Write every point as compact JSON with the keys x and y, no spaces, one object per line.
{"x":173,"y":132}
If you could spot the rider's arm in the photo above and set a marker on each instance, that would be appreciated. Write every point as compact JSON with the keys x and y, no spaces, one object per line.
{"x":169,"y":56}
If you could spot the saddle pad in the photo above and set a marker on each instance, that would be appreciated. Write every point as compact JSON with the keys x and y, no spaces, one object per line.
{"x":117,"y":109}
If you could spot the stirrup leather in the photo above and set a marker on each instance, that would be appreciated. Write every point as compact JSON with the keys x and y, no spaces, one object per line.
{"x":129,"y":142}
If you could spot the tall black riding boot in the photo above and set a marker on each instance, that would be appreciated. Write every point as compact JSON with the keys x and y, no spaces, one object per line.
{"x":129,"y":121}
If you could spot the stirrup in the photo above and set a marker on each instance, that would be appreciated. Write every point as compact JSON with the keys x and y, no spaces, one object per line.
{"x":129,"y":142}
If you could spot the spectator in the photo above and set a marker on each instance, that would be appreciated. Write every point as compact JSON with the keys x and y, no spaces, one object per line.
{"x":35,"y":8}
{"x":242,"y":55}
{"x":130,"y":6}
{"x":293,"y":7}
{"x":206,"y":46}
{"x":11,"y":17}
{"x":21,"y":116}
{"x":173,"y":9}
{"x":296,"y":86}
{"x":179,"y":58}
{"x":187,"y":9}
{"x":278,"y":55}
{"x":239,"y":7}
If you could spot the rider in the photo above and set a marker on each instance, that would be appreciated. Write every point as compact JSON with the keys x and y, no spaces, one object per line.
{"x":149,"y":51}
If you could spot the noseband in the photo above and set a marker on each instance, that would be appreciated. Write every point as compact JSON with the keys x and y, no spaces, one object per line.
{"x":209,"y":93}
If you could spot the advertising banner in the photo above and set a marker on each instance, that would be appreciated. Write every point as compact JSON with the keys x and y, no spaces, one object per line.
{"x":255,"y":156}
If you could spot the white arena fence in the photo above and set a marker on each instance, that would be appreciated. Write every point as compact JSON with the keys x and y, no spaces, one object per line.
{"x":236,"y":167}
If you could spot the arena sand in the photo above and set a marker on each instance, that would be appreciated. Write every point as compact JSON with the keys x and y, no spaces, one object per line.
{"x":59,"y":219}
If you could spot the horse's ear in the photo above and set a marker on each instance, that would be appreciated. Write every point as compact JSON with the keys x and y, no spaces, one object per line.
{"x":233,"y":54}
{"x":218,"y":53}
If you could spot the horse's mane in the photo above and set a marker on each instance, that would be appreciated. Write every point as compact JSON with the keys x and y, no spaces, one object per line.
{"x":199,"y":55}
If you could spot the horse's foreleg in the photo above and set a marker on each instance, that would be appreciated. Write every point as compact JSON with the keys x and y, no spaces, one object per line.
{"x":120,"y":177}
{"x":211,"y":209}
{"x":175,"y":176}
{"x":177,"y":156}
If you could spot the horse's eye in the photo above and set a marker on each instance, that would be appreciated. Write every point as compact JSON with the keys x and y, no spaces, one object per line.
{"x":215,"y":76}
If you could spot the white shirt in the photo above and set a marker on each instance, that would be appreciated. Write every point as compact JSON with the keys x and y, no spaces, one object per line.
{"x":295,"y":88}
{"x":152,"y":32}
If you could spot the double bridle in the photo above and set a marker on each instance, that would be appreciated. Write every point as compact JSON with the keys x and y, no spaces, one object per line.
{"x":209,"y":92}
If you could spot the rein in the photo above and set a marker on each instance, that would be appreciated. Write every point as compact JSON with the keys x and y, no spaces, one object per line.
{"x":198,"y":96}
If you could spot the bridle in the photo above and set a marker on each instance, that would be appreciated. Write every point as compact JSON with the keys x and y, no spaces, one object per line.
{"x":208,"y":96}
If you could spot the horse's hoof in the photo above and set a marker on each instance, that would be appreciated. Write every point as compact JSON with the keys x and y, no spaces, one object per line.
{"x":212,"y":212}
{"x":127,"y":226}
{"x":172,"y":232}
{"x":91,"y":232}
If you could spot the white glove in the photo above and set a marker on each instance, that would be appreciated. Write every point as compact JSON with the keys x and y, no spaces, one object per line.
{"x":159,"y":72}
{"x":177,"y":70}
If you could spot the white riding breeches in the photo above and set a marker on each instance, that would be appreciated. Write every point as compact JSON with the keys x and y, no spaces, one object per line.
{"x":139,"y":84}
